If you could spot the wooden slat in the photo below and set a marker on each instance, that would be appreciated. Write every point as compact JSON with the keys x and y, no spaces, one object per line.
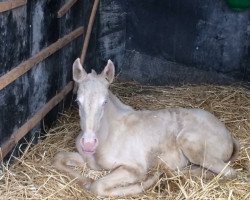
{"x":32,"y":122}
{"x":87,"y":38}
{"x":65,"y":8}
{"x":28,"y":64}
{"x":89,"y":29}
{"x":9,"y":5}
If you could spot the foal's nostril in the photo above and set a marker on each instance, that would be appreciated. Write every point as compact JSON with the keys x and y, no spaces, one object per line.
{"x":95,"y":141}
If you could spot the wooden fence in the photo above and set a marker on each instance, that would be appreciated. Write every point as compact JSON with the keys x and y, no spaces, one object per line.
{"x":22,"y":68}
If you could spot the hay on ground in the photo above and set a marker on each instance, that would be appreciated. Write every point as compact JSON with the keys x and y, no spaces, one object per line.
{"x":32,"y":176}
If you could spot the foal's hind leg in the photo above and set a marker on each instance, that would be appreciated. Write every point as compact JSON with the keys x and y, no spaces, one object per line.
{"x":218,"y":166}
{"x":123,"y":181}
{"x":63,"y":161}
{"x":196,"y":154}
{"x":198,"y":171}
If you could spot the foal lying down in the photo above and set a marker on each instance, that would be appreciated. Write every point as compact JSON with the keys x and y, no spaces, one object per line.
{"x":116,"y":137}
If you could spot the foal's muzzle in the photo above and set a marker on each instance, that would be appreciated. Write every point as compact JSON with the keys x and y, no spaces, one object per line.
{"x":89,"y":144}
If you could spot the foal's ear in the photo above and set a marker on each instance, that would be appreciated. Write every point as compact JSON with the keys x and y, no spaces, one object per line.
{"x":78,"y":72}
{"x":109,"y":72}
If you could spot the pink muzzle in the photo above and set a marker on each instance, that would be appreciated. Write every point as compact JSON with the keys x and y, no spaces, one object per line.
{"x":89,"y":145}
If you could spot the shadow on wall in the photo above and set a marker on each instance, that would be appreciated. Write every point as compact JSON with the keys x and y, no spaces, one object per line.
{"x":174,"y":42}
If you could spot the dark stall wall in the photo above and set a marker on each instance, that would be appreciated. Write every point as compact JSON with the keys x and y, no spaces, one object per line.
{"x":175,"y":41}
{"x":24,"y":32}
{"x":14,"y":45}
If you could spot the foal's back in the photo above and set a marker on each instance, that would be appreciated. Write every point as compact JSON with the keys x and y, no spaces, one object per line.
{"x":169,"y":133}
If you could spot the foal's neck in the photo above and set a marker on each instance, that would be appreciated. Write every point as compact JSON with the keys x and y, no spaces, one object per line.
{"x":116,"y":107}
{"x":114,"y":112}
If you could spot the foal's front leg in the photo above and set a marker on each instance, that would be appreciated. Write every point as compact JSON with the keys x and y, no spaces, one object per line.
{"x":63,"y":161}
{"x":123,"y":181}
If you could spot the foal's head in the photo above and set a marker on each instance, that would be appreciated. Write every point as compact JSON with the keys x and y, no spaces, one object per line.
{"x":92,"y":97}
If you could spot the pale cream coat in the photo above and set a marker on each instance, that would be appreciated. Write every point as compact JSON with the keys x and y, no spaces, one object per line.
{"x":130,"y":142}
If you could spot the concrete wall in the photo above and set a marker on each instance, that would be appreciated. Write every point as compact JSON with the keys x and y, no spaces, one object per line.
{"x":174,"y":41}
{"x":24,"y":31}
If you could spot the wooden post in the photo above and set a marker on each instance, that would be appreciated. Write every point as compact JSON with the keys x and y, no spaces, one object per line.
{"x":9,"y":5}
{"x":28,"y":64}
{"x":65,"y":8}
{"x":87,"y":37}
{"x":88,"y":33}
{"x":31,"y":123}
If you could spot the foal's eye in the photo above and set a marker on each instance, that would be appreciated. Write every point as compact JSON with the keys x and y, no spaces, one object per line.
{"x":105,"y":102}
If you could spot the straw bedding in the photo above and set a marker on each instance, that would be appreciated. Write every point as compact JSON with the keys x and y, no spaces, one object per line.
{"x":32,"y":176}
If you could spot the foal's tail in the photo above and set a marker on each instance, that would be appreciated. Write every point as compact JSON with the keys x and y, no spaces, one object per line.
{"x":236,"y":150}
